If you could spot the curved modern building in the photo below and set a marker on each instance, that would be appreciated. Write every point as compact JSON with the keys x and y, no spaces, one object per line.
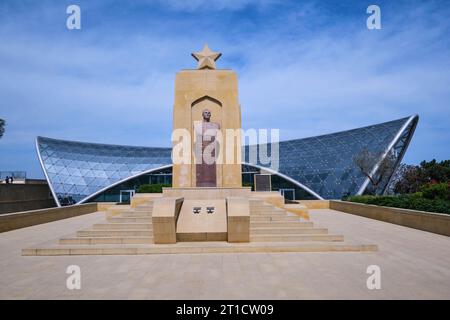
{"x":320,"y":167}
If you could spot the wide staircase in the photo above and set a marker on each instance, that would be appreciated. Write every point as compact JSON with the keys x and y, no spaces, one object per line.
{"x":129,"y":226}
{"x":271,"y":224}
{"x":129,"y":231}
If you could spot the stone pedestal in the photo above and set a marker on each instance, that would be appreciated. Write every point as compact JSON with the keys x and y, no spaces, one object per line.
{"x":202,"y":214}
{"x":209,"y":223}
{"x":206,"y":193}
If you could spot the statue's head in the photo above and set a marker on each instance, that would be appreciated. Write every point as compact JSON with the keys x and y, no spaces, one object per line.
{"x":206,"y":114}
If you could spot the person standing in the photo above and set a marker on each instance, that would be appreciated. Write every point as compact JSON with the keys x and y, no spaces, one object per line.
{"x":7,"y":180}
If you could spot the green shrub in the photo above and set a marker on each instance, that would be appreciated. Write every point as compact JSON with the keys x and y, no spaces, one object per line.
{"x":413,"y":201}
{"x":436,"y":191}
{"x":152,"y":188}
{"x":417,"y":194}
{"x":248,"y":184}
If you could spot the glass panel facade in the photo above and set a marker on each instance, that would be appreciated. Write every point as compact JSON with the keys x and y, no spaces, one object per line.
{"x":78,"y":171}
{"x":325,"y":163}
{"x":112,"y":194}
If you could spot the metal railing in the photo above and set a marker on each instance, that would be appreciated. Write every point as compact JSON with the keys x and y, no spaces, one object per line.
{"x":22,"y":175}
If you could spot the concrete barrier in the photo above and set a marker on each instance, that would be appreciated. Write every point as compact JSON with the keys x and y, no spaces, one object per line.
{"x":238,"y":219}
{"x":17,"y":220}
{"x":426,"y":221}
{"x":164,"y":219}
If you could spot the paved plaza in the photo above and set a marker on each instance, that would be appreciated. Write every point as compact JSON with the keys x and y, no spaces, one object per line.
{"x":414,"y":265}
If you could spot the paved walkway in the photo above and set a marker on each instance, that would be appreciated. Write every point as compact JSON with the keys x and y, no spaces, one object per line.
{"x":414,"y":265}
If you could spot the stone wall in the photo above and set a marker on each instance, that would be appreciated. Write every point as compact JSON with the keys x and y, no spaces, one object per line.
{"x":426,"y":221}
{"x":17,"y":220}
{"x":22,"y":197}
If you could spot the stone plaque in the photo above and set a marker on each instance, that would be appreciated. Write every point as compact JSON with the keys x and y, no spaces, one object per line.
{"x":263,"y":182}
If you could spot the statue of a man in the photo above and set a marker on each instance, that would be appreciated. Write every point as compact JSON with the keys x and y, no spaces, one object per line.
{"x":206,"y":150}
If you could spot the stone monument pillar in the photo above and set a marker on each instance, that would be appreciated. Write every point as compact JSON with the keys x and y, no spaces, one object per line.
{"x":206,"y":107}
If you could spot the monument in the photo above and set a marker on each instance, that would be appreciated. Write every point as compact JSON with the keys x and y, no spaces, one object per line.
{"x":207,"y":201}
{"x":206,"y":96}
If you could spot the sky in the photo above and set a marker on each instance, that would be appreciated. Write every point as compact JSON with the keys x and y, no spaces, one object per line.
{"x":304,"y":67}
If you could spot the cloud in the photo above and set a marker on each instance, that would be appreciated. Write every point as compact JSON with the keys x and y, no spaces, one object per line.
{"x":206,"y":5}
{"x":303,"y":67}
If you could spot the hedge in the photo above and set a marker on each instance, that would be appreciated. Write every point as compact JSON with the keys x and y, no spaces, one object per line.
{"x":414,"y":201}
{"x":152,"y":188}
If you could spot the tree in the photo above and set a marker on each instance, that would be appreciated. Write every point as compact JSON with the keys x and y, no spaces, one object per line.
{"x":410,"y":179}
{"x":2,"y":127}
{"x":366,"y":161}
{"x":436,"y":171}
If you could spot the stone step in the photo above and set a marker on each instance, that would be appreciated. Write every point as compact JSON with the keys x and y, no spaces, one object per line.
{"x":122,"y":226}
{"x":276,"y":224}
{"x":268,"y":213}
{"x":116,"y":212}
{"x":119,"y":214}
{"x":106,"y":240}
{"x":295,"y":237}
{"x":146,"y":204}
{"x":261,"y":205}
{"x":198,"y":247}
{"x":138,"y":211}
{"x":129,"y":220}
{"x":149,"y":210}
{"x":287,"y":230}
{"x":115,"y":233}
{"x":267,"y":210}
{"x":281,"y":218}
{"x":257,"y":213}
{"x":135,"y":214}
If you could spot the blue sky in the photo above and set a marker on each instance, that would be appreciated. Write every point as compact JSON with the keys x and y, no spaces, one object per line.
{"x":306,"y":67}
